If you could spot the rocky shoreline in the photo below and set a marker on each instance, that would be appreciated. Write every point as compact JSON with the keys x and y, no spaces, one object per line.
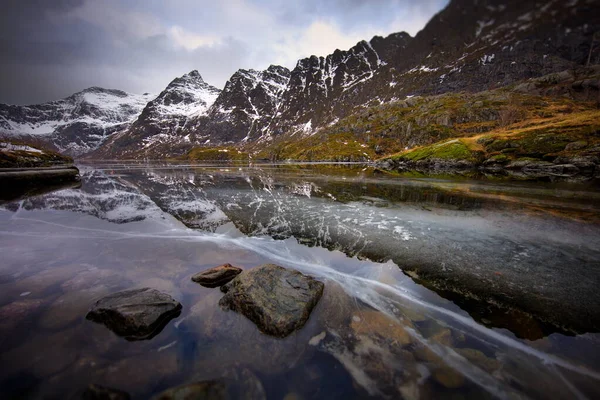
{"x":27,"y":170}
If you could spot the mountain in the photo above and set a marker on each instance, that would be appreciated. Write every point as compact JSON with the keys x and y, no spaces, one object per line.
{"x":237,"y":114}
{"x":161,"y":122}
{"x":75,"y":125}
{"x":245,"y":108}
{"x":469,"y":46}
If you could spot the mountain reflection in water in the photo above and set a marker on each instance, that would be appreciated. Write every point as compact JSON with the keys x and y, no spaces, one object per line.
{"x":517,"y":267}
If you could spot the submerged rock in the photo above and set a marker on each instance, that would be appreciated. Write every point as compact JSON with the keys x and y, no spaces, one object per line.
{"x":217,"y":276}
{"x":12,"y":314}
{"x":278,"y":300}
{"x":209,"y":390}
{"x":236,"y":383}
{"x":135,"y":314}
{"x":97,"y":392}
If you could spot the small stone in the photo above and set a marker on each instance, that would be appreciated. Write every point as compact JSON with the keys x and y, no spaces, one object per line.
{"x":217,"y":276}
{"x":25,"y":294}
{"x":97,"y":392}
{"x":278,"y":300}
{"x":136,"y":314}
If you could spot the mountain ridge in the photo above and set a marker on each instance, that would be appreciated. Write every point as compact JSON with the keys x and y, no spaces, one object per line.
{"x":468,"y":46}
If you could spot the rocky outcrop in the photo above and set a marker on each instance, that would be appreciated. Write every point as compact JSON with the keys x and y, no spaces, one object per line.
{"x":27,"y":170}
{"x":21,"y":155}
{"x":135,"y":314}
{"x":217,"y":276}
{"x":278,"y":300}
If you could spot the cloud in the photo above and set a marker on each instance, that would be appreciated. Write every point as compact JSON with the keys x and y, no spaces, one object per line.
{"x":53,"y":48}
{"x":191,"y":41}
{"x":320,"y":38}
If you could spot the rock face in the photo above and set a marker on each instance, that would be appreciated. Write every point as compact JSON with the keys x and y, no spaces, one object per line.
{"x":136,"y":314}
{"x":217,"y":276}
{"x":75,"y":125}
{"x":278,"y":300}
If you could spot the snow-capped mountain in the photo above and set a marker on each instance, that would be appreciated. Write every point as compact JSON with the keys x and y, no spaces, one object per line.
{"x":77,"y":124}
{"x":162,"y":120}
{"x":248,"y":103}
{"x":469,"y":46}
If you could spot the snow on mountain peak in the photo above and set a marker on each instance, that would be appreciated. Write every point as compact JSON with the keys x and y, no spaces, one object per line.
{"x":185,"y":96}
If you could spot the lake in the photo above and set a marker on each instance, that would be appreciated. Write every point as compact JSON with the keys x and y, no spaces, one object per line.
{"x":434,"y":287}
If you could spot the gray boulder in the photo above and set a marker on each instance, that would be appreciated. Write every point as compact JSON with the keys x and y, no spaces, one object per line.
{"x":135,"y":314}
{"x":278,"y":300}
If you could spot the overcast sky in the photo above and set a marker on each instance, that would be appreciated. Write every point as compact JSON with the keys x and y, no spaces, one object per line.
{"x":53,"y":48}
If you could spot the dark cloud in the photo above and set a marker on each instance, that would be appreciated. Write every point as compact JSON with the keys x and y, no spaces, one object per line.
{"x":51,"y":49}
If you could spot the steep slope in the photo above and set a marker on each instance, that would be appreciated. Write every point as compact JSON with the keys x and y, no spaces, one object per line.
{"x":75,"y":125}
{"x":539,"y":128}
{"x":245,"y":108}
{"x":162,"y":120}
{"x":468,"y":46}
{"x":485,"y":44}
{"x":322,"y":89}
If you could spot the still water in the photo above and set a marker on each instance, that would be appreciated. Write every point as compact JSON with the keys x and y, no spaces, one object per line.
{"x":433,"y":287}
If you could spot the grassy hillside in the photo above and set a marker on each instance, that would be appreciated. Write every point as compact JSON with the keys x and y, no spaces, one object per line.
{"x":405,"y":126}
{"x":216,"y":154}
{"x":557,"y":133}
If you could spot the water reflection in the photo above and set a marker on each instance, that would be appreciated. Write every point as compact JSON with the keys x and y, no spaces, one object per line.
{"x":516,"y":257}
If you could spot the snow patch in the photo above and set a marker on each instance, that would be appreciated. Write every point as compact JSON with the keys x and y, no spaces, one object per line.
{"x":6,"y":147}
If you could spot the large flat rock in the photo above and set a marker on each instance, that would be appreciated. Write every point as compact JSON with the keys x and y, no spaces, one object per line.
{"x":135,"y":314}
{"x":278,"y":300}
